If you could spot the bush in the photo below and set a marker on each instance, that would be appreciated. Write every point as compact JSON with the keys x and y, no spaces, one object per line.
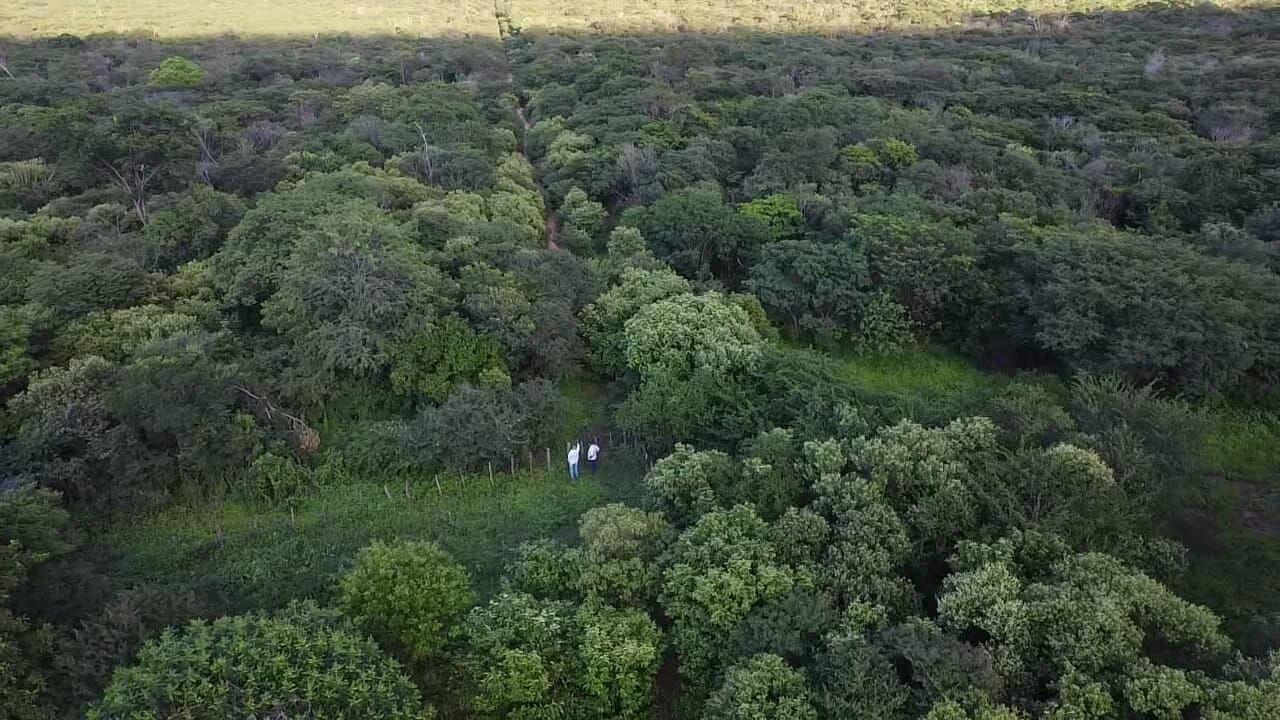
{"x":408,"y":595}
{"x":176,"y":71}
{"x":302,"y":661}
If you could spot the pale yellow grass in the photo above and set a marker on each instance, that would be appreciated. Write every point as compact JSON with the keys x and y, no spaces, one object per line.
{"x":200,"y":18}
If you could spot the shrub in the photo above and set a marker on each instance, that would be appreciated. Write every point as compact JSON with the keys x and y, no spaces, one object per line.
{"x":176,"y":71}
{"x":276,"y":478}
{"x":407,"y":595}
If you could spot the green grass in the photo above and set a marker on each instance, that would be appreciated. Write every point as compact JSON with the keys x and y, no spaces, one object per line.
{"x":923,"y":383}
{"x":586,"y":403}
{"x":267,"y":557}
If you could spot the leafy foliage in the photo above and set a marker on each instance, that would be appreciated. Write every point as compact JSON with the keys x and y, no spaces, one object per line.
{"x":176,"y":72}
{"x":233,"y":666}
{"x":761,"y":687}
{"x":408,"y":595}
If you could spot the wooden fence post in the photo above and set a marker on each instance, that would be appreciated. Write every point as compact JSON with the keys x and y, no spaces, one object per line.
{"x":548,"y":450}
{"x":491,"y":474}
{"x":512,"y":458}
{"x":438,"y":488}
{"x":530,"y":459}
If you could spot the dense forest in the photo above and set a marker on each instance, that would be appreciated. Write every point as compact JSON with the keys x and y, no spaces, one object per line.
{"x":934,"y":352}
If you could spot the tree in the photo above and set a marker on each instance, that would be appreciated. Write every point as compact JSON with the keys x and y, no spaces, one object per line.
{"x":409,"y":595}
{"x":604,"y":321}
{"x":786,"y":222}
{"x":1103,"y":301}
{"x":123,"y":334}
{"x":300,"y":660}
{"x":619,"y":652}
{"x":433,"y":363}
{"x":538,"y":659}
{"x":761,"y":688}
{"x":719,"y":569}
{"x":620,"y":551}
{"x":345,"y":301}
{"x":497,"y":305}
{"x":1030,"y":604}
{"x":676,"y":336}
{"x":933,"y":269}
{"x":626,"y":250}
{"x":511,"y":421}
{"x":518,"y":658}
{"x":683,"y":484}
{"x":192,"y":227}
{"x":251,"y":264}
{"x":62,"y":430}
{"x":176,"y":71}
{"x":869,"y":540}
{"x":580,"y":221}
{"x":930,"y":475}
{"x":546,"y":570}
{"x":89,"y":282}
{"x":17,"y":326}
{"x":33,"y":528}
{"x":854,"y":675}
{"x":823,"y":290}
{"x":700,"y":235}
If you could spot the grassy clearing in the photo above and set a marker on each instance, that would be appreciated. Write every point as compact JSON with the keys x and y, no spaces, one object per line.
{"x":267,"y":557}
{"x":42,"y":18}
{"x":923,"y":383}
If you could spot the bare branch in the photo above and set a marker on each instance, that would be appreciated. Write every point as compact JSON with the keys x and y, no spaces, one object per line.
{"x":305,"y":437}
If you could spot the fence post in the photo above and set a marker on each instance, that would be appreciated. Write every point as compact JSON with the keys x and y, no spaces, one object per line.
{"x":385,"y":491}
{"x":548,"y":451}
{"x":491,"y":474}
{"x":408,"y":491}
{"x":530,"y":459}
{"x":512,"y":458}
{"x":438,"y":488}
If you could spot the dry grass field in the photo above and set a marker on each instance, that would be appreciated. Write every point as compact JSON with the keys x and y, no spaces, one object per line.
{"x":475,"y":18}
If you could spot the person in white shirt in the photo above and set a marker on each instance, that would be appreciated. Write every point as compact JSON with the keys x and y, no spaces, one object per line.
{"x":574,"y":452}
{"x":593,"y":456}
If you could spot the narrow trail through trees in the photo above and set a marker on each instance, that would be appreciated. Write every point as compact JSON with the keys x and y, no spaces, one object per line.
{"x":552,"y":224}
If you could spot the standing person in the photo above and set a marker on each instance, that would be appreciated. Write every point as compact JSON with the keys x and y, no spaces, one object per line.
{"x":593,"y":456}
{"x":574,"y":452}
